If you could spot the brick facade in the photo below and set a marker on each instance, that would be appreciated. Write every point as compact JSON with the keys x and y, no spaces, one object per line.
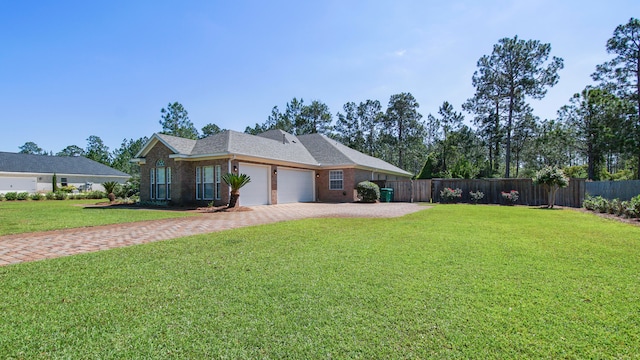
{"x":348,"y":192}
{"x":183,"y":185}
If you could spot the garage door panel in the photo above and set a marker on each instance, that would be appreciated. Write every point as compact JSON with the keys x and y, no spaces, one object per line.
{"x":18,"y":184}
{"x":295,"y":186}
{"x":257,"y":191}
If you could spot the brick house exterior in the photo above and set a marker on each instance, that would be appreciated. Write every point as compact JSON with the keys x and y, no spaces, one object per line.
{"x":311,"y":167}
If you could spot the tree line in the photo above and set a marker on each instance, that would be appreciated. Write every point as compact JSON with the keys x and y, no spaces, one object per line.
{"x":595,"y":136}
{"x":174,"y":121}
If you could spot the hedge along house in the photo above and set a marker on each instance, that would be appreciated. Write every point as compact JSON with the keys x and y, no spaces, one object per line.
{"x":284,"y":168}
{"x":34,"y":173}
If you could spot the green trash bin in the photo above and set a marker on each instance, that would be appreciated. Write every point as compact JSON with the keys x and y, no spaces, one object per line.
{"x":386,"y":194}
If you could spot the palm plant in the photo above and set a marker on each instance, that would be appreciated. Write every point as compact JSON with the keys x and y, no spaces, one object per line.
{"x":235,"y":182}
{"x":109,"y":188}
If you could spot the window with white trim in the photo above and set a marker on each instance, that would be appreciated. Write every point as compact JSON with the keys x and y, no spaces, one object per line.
{"x":218,"y":183}
{"x":168,"y":183}
{"x":208,"y":182}
{"x":152,"y":183}
{"x":160,"y":181}
{"x":336,"y":180}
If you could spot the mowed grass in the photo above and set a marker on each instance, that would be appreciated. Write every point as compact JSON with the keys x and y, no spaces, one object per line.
{"x":28,"y":216}
{"x":454,"y":281}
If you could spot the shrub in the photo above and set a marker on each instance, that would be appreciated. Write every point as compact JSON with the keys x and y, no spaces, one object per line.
{"x":96,"y":194}
{"x":22,"y":196}
{"x":131,"y":200}
{"x":11,"y":196}
{"x":476,"y":196}
{"x":37,"y":196}
{"x":50,"y":195}
{"x":60,"y":195}
{"x":633,"y":207}
{"x":68,"y":188}
{"x":589,"y":202}
{"x":1,"y":196}
{"x":616,"y":207}
{"x":629,"y":209}
{"x":368,"y":191}
{"x":130,"y":188}
{"x":450,"y":195}
{"x":510,"y":197}
{"x":154,"y":203}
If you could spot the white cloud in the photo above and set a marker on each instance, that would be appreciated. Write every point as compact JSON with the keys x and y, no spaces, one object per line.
{"x":400,"y":53}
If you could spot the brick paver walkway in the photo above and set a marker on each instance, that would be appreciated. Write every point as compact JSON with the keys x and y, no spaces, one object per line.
{"x":51,"y":244}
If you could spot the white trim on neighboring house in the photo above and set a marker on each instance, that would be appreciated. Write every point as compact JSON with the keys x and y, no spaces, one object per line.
{"x":7,"y":173}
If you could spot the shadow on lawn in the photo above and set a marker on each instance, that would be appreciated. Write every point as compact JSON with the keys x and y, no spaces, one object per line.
{"x":107,"y":206}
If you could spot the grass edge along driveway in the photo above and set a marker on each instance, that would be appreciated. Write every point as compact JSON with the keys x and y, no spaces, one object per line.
{"x":17,"y":217}
{"x":453,"y":281}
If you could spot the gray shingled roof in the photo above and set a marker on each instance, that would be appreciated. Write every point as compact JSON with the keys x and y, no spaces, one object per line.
{"x":330,"y":152}
{"x":291,"y":150}
{"x":43,"y":164}
{"x":237,"y":143}
{"x":312,"y":149}
{"x":182,"y":145}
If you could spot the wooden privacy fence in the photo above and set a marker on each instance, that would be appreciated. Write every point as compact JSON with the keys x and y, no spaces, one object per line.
{"x":529,"y":193}
{"x":410,"y":190}
{"x":623,"y":190}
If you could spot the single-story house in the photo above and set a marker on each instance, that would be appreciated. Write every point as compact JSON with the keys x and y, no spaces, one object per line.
{"x":34,"y":173}
{"x":284,"y":168}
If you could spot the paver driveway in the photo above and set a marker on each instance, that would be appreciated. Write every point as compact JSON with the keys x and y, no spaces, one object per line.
{"x":51,"y":244}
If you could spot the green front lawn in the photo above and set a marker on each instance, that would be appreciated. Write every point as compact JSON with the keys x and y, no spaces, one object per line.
{"x":27,"y":216}
{"x":454,"y":281}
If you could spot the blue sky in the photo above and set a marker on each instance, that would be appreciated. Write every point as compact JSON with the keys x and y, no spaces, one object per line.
{"x":72,"y":69}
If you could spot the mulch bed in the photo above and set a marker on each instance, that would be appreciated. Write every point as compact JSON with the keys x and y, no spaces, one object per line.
{"x":215,"y":209}
{"x":634,"y":222}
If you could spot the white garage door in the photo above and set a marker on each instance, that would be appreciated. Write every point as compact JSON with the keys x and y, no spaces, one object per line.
{"x":257,"y":191}
{"x":17,"y":184}
{"x":295,"y":186}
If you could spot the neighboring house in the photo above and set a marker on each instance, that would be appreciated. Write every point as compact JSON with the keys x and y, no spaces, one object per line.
{"x":283,"y":168}
{"x":34,"y":173}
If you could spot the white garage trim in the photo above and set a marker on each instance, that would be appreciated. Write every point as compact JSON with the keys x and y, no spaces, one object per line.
{"x":258,"y":191}
{"x":295,"y":185}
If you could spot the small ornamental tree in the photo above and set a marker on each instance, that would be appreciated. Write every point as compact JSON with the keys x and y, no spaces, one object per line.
{"x":235,"y":182}
{"x":552,"y":178}
{"x":109,"y":188}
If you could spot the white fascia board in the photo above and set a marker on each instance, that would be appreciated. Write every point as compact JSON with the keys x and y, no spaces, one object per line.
{"x":7,"y":173}
{"x":383,"y":171}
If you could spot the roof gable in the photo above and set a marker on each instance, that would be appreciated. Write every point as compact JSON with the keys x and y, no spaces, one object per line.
{"x":44,"y":164}
{"x":176,"y":144}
